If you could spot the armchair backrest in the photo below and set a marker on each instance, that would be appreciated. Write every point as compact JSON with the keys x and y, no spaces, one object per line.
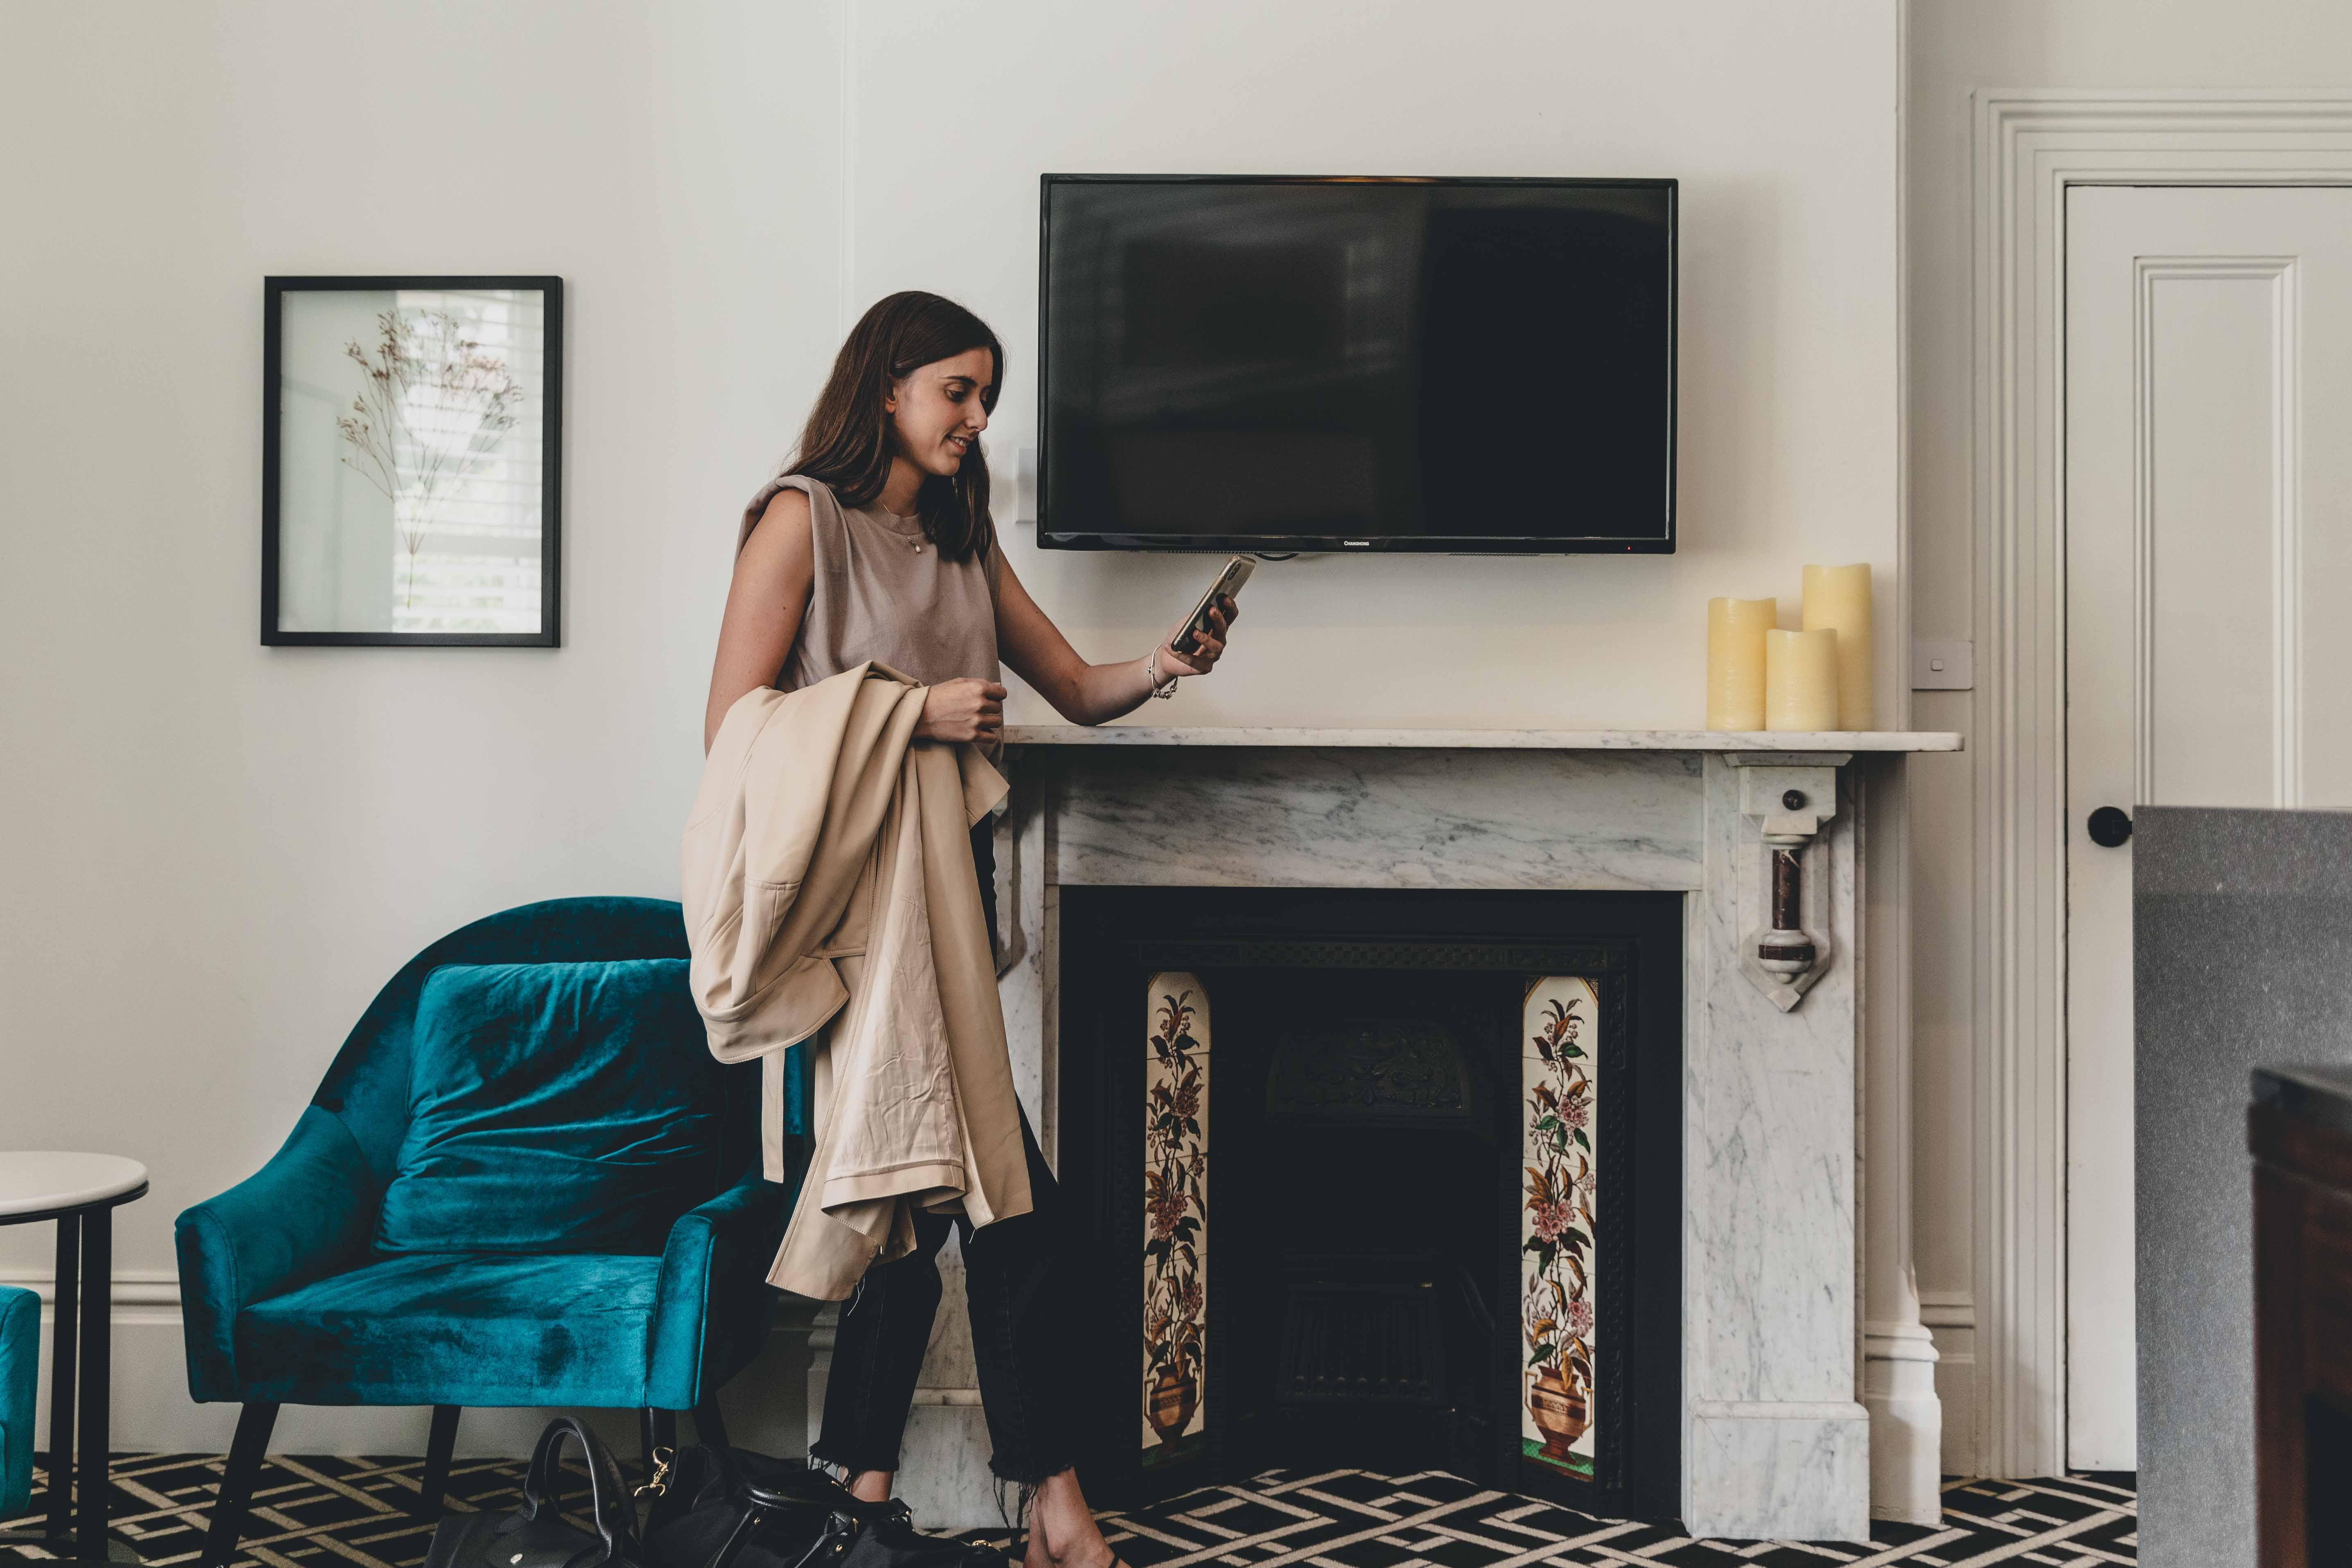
{"x":367,"y":1086}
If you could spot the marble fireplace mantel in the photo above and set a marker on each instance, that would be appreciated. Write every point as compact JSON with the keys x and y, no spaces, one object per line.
{"x":1703,"y":740}
{"x":1777,"y":1441}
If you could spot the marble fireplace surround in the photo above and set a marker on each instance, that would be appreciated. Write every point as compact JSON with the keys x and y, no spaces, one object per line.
{"x":1777,"y":1441}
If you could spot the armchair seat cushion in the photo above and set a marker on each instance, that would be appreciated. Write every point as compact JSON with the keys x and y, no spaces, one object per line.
{"x":566,"y":1107}
{"x":456,"y":1329}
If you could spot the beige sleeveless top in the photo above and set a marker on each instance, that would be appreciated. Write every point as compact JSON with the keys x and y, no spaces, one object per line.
{"x":883,"y":592}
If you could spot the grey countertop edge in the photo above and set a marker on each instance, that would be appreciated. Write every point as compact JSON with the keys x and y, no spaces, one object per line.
{"x":1486,"y":740}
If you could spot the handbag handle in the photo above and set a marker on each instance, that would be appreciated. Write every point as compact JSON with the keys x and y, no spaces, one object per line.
{"x":838,"y":1528}
{"x":615,"y":1520}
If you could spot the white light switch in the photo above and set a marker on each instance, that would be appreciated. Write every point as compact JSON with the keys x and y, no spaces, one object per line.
{"x":1943,"y":666}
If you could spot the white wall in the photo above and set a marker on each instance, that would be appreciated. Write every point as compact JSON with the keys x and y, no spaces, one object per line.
{"x":214,"y":853}
{"x":1955,"y":48}
{"x":1777,"y":120}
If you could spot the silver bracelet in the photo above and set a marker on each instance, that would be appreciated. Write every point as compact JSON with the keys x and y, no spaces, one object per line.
{"x":1152,"y":674}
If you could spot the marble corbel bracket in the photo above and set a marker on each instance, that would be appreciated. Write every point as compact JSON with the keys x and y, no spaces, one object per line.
{"x":1790,"y":795}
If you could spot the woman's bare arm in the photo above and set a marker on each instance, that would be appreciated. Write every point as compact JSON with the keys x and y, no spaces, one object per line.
{"x":1081,"y":692}
{"x":773,"y":574}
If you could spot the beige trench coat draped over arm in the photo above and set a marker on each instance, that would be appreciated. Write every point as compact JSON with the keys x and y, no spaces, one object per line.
{"x":827,"y":878}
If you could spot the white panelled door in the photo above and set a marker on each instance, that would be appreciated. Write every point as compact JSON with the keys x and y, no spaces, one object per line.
{"x":2209,"y":622}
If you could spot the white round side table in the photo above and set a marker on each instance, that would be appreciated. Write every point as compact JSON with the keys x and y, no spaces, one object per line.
{"x":80,"y":1193}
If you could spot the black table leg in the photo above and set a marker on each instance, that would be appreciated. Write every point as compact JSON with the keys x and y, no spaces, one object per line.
{"x":97,"y":1343}
{"x":63,"y":1323}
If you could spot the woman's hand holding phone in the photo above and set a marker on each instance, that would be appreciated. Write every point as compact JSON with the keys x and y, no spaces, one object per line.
{"x":1209,"y":644}
{"x":967,"y":709}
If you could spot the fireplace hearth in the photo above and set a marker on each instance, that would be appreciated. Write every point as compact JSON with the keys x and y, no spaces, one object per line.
{"x":1376,"y":1178}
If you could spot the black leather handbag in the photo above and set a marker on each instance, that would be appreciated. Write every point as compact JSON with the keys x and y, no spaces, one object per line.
{"x":533,"y":1536}
{"x":731,"y":1508}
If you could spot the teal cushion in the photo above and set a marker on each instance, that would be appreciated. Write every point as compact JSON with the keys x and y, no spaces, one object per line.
{"x":456,"y":1330}
{"x":554,"y":1107}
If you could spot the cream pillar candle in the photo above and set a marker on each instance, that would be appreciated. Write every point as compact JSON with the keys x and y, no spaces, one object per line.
{"x":1735,"y":662}
{"x":1801,"y":680}
{"x":1837,"y":599}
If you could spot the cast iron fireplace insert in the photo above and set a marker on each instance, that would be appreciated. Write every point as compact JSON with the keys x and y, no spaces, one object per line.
{"x":1388,"y":1178}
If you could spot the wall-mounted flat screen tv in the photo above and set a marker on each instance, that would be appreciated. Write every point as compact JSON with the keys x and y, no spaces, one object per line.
{"x":1276,"y":364}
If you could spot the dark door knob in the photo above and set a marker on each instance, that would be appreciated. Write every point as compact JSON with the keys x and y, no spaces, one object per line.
{"x":2109,"y":826}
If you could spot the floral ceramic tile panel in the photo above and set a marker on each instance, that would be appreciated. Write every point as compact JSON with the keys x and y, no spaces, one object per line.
{"x":1175,"y":1217}
{"x":1559,"y":1133}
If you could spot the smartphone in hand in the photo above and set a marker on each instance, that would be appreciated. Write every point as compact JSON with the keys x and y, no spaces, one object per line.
{"x":1227,"y":586}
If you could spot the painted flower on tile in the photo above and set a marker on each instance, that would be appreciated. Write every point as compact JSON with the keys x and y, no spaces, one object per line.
{"x":1175,"y":1197}
{"x":1557,"y":1318}
{"x":1167,"y":1203}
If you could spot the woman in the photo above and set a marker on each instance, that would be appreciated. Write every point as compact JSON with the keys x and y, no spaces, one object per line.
{"x":878,"y":544}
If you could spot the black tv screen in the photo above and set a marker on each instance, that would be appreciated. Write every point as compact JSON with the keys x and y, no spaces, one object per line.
{"x":1275,"y":364}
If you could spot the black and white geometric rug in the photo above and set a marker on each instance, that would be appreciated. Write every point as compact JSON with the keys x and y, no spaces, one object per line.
{"x":353,"y":1513}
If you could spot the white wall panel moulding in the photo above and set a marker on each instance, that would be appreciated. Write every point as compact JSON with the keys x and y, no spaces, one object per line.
{"x":133,"y":1287}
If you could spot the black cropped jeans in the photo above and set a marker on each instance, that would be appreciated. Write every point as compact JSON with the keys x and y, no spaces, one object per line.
{"x":1017,"y":1284}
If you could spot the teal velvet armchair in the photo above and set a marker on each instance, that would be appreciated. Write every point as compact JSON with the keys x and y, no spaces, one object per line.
{"x":523,"y":1182}
{"x":20,"y":1357}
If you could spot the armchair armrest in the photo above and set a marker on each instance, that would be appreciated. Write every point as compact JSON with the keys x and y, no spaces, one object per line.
{"x":713,"y":1295}
{"x":301,"y":1217}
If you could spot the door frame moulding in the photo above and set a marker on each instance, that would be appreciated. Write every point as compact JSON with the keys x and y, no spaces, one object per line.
{"x":2028,"y":147}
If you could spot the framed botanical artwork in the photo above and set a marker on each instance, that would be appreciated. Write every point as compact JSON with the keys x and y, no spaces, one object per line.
{"x":411,"y":460}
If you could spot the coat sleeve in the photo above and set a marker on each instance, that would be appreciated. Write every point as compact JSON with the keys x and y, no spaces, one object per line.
{"x":771,"y":852}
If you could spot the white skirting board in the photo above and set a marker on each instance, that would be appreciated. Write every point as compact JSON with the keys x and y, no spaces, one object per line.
{"x":151,"y":1412}
{"x":1951,"y":1317}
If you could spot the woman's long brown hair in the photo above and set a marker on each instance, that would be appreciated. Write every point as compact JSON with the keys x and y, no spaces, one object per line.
{"x":846,"y":442}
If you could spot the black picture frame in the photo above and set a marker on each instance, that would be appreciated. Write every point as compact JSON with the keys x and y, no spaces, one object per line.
{"x":550,"y":458}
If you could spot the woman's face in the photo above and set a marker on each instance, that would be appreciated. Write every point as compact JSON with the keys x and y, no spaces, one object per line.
{"x":937,"y":412}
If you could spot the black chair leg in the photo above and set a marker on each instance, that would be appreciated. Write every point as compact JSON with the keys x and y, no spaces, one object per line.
{"x":439,"y":1448}
{"x":664,"y":1425}
{"x":656,"y":1429}
{"x":245,"y":1456}
{"x":709,"y":1427}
